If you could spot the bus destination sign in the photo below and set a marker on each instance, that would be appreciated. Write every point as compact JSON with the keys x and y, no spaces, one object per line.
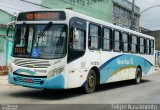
{"x":42,"y":16}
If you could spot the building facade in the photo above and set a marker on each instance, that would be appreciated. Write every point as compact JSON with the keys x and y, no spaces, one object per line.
{"x":122,"y":14}
{"x":118,"y":12}
{"x":94,"y":8}
{"x":4,"y":19}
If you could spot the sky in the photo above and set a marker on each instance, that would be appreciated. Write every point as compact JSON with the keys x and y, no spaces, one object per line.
{"x":150,"y":19}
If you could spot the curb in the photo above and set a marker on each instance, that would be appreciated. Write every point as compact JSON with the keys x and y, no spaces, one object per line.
{"x":3,"y":80}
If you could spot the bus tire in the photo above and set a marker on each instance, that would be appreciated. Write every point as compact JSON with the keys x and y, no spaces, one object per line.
{"x":91,"y":82}
{"x":138,"y":76}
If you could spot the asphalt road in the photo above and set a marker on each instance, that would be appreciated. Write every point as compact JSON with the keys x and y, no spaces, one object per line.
{"x":148,"y":92}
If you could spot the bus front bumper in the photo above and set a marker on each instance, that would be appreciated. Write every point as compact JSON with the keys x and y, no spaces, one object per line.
{"x":56,"y":82}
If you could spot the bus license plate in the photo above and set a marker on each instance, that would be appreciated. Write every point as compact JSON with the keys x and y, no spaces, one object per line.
{"x":27,"y":80}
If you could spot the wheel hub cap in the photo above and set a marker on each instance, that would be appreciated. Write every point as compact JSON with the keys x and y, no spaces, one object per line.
{"x":91,"y":81}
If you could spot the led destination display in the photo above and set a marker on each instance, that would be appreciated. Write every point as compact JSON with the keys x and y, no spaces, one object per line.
{"x":42,"y":16}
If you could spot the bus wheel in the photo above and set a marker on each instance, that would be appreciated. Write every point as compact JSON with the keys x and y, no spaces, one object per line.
{"x":138,"y":76}
{"x":90,"y":84}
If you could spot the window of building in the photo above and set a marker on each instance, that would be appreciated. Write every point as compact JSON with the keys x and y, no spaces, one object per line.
{"x":107,"y":39}
{"x":125,"y":42}
{"x":122,"y":15}
{"x":134,"y":42}
{"x":147,"y":47}
{"x":152,"y":47}
{"x":117,"y":41}
{"x":94,"y":36}
{"x":141,"y":45}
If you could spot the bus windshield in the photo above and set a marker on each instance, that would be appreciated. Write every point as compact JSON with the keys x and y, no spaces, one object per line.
{"x":40,"y":41}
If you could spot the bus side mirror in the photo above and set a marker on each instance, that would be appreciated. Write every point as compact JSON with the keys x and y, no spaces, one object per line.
{"x":76,"y":35}
{"x":10,"y":27}
{"x":10,"y":31}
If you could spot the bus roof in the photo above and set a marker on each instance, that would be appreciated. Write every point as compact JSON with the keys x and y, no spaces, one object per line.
{"x":94,"y":20}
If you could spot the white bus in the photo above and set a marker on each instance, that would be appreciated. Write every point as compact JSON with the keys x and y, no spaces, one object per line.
{"x":61,"y":49}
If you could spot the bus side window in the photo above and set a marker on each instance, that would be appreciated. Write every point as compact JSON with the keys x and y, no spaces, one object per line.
{"x":151,"y":47}
{"x":117,"y":41}
{"x":94,"y":37}
{"x":107,"y":39}
{"x":79,"y":39}
{"x":141,"y":45}
{"x":134,"y":44}
{"x":147,"y":46}
{"x":125,"y":46}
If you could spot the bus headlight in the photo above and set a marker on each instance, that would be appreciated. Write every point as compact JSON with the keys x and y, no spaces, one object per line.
{"x":55,"y":72}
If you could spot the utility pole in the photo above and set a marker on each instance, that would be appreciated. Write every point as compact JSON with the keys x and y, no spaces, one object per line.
{"x":132,"y":17}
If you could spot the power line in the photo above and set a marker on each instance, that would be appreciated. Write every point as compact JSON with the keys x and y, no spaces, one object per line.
{"x":149,"y":8}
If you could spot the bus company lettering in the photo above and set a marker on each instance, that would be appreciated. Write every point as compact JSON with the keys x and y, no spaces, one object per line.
{"x":125,"y":61}
{"x":40,"y":71}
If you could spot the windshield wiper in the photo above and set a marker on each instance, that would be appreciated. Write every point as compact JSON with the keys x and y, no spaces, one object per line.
{"x":41,"y":34}
{"x":45,"y":28}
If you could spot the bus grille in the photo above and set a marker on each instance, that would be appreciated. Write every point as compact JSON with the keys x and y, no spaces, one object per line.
{"x":32,"y":63}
